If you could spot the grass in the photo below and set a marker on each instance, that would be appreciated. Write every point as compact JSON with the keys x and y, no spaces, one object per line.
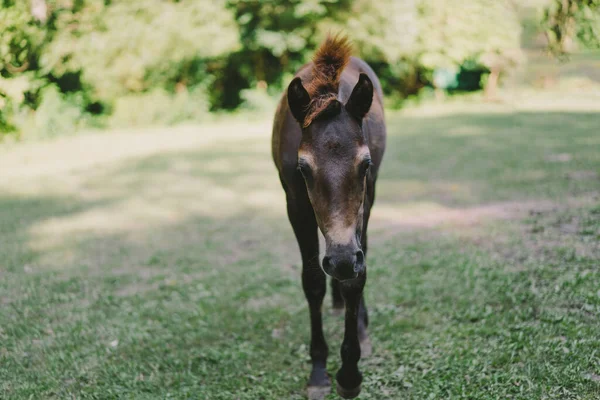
{"x":160,"y":264}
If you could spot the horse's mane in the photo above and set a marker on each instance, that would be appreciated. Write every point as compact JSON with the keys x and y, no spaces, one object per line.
{"x":328,"y":63}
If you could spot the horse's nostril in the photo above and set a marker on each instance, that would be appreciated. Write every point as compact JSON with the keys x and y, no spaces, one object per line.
{"x":360,"y":257}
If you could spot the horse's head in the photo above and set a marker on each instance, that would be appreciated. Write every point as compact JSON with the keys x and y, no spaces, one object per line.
{"x":334,"y":160}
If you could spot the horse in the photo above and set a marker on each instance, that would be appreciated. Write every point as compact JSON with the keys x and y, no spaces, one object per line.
{"x":328,"y":143}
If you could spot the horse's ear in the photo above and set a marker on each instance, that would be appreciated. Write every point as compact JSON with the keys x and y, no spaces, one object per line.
{"x":361,"y":98}
{"x":298,"y":100}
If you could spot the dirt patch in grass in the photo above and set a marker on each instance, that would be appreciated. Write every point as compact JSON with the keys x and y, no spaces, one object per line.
{"x":387,"y":221}
{"x":539,"y":231}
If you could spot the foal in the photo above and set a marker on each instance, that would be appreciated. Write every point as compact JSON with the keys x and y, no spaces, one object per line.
{"x":328,"y":142}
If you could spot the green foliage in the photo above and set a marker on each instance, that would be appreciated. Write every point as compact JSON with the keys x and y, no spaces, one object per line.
{"x":408,"y":42}
{"x":385,"y":31}
{"x":572,"y":22}
{"x":57,"y":114}
{"x":104,"y":56}
{"x":12,"y":94}
{"x":112,"y":52}
{"x":451,"y":34}
{"x":131,"y":46}
{"x":20,"y":41}
{"x":20,"y":38}
{"x":277,"y":36}
{"x":159,"y":107}
{"x":385,"y":34}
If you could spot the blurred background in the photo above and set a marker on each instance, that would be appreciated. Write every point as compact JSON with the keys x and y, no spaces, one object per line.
{"x":145,"y":250}
{"x":72,"y":64}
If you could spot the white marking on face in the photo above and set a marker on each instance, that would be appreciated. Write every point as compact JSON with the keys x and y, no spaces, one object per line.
{"x":339,"y":232}
{"x":342,"y":235}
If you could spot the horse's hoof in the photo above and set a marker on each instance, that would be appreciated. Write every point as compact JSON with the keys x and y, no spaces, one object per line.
{"x":366,"y":348}
{"x":348,"y":393}
{"x":318,"y":392}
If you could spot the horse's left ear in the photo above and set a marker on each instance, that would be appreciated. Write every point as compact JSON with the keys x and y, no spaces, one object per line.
{"x":361,"y":98}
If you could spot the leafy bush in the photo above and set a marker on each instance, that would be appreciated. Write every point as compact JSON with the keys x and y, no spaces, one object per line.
{"x":569,"y":23}
{"x":409,"y":42}
{"x":57,"y":114}
{"x":277,"y":36}
{"x":131,"y":46}
{"x":132,"y":62}
{"x":21,"y":37}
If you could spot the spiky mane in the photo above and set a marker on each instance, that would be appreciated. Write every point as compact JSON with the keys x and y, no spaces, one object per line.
{"x":328,"y":63}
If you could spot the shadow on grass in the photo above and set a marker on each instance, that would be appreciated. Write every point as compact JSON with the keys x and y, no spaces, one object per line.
{"x":450,"y":162}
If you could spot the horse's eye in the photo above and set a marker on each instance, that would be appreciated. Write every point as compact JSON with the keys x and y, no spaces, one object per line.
{"x":364,"y":166}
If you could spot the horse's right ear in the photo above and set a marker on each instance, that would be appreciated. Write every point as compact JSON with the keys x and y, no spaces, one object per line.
{"x":298,"y":100}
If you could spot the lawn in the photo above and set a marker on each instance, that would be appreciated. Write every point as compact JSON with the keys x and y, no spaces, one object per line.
{"x":160,"y":263}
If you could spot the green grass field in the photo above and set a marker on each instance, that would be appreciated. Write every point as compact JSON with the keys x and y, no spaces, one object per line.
{"x":160,"y":264}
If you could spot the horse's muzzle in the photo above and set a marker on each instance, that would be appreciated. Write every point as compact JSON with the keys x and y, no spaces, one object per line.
{"x":343,"y":264}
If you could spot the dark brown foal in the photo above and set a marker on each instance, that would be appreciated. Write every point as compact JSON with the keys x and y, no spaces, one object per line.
{"x":328,"y":143}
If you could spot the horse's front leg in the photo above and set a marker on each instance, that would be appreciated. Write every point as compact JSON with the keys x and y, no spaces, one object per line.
{"x":349,"y":377}
{"x":314,"y":284}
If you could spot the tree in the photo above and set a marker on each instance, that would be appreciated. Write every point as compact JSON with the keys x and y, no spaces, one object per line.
{"x":277,"y":36}
{"x":484,"y":33}
{"x":433,"y":39}
{"x":20,"y":45}
{"x":385,"y":34}
{"x":570,"y":22}
{"x":130,"y":46}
